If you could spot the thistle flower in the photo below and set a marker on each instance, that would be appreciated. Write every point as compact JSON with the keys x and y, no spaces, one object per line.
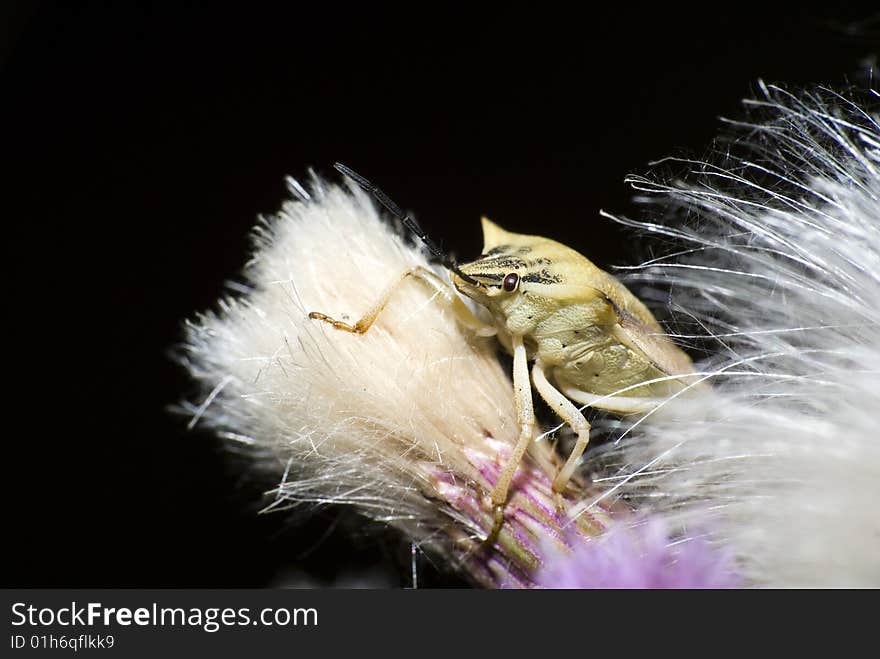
{"x":410,"y":422}
{"x":780,"y":266}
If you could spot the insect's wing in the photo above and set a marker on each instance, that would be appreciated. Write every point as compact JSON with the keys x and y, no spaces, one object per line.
{"x":656,"y":346}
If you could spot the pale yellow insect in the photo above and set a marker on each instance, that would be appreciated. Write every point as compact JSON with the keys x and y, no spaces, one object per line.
{"x":587,"y":336}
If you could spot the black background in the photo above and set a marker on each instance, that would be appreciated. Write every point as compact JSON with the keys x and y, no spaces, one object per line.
{"x":144,"y":141}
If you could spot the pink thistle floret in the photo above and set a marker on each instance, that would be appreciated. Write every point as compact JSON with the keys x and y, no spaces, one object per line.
{"x":639,"y":554}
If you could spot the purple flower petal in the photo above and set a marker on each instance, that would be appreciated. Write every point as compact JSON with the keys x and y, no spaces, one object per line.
{"x":637,"y":555}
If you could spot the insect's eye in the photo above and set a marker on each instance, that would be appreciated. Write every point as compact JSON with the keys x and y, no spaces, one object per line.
{"x":510,"y":282}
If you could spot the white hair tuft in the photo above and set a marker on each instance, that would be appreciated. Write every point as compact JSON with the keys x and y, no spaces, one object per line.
{"x":781,"y":268}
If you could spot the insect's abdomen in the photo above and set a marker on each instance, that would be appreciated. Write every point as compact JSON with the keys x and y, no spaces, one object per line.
{"x":608,"y":369}
{"x":591,"y":359}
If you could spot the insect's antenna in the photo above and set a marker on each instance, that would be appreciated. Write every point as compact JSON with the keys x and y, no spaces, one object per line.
{"x":407,"y":221}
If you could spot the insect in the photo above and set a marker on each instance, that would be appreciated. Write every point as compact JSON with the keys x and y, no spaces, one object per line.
{"x":588,"y":338}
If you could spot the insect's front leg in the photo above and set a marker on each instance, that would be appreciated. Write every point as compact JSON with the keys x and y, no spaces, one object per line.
{"x":462,"y":313}
{"x":572,"y":416}
{"x":525,"y":415}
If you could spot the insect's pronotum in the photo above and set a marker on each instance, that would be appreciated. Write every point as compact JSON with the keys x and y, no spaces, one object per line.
{"x":587,"y":336}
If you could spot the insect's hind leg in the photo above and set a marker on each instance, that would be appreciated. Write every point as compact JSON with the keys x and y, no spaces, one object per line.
{"x":463,"y":314}
{"x":572,"y":416}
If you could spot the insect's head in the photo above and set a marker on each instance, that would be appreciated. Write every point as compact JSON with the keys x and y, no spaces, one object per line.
{"x":510,"y":264}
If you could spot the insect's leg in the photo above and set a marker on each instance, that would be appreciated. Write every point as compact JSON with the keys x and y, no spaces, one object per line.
{"x":572,"y":416}
{"x":463,"y":314}
{"x":618,"y":404}
{"x":525,"y":415}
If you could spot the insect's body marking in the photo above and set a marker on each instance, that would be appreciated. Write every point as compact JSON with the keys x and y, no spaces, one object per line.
{"x":543,"y":277}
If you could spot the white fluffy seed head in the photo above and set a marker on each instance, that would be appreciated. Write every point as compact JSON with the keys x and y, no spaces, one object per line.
{"x":332,"y":400}
{"x":778,"y":259}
